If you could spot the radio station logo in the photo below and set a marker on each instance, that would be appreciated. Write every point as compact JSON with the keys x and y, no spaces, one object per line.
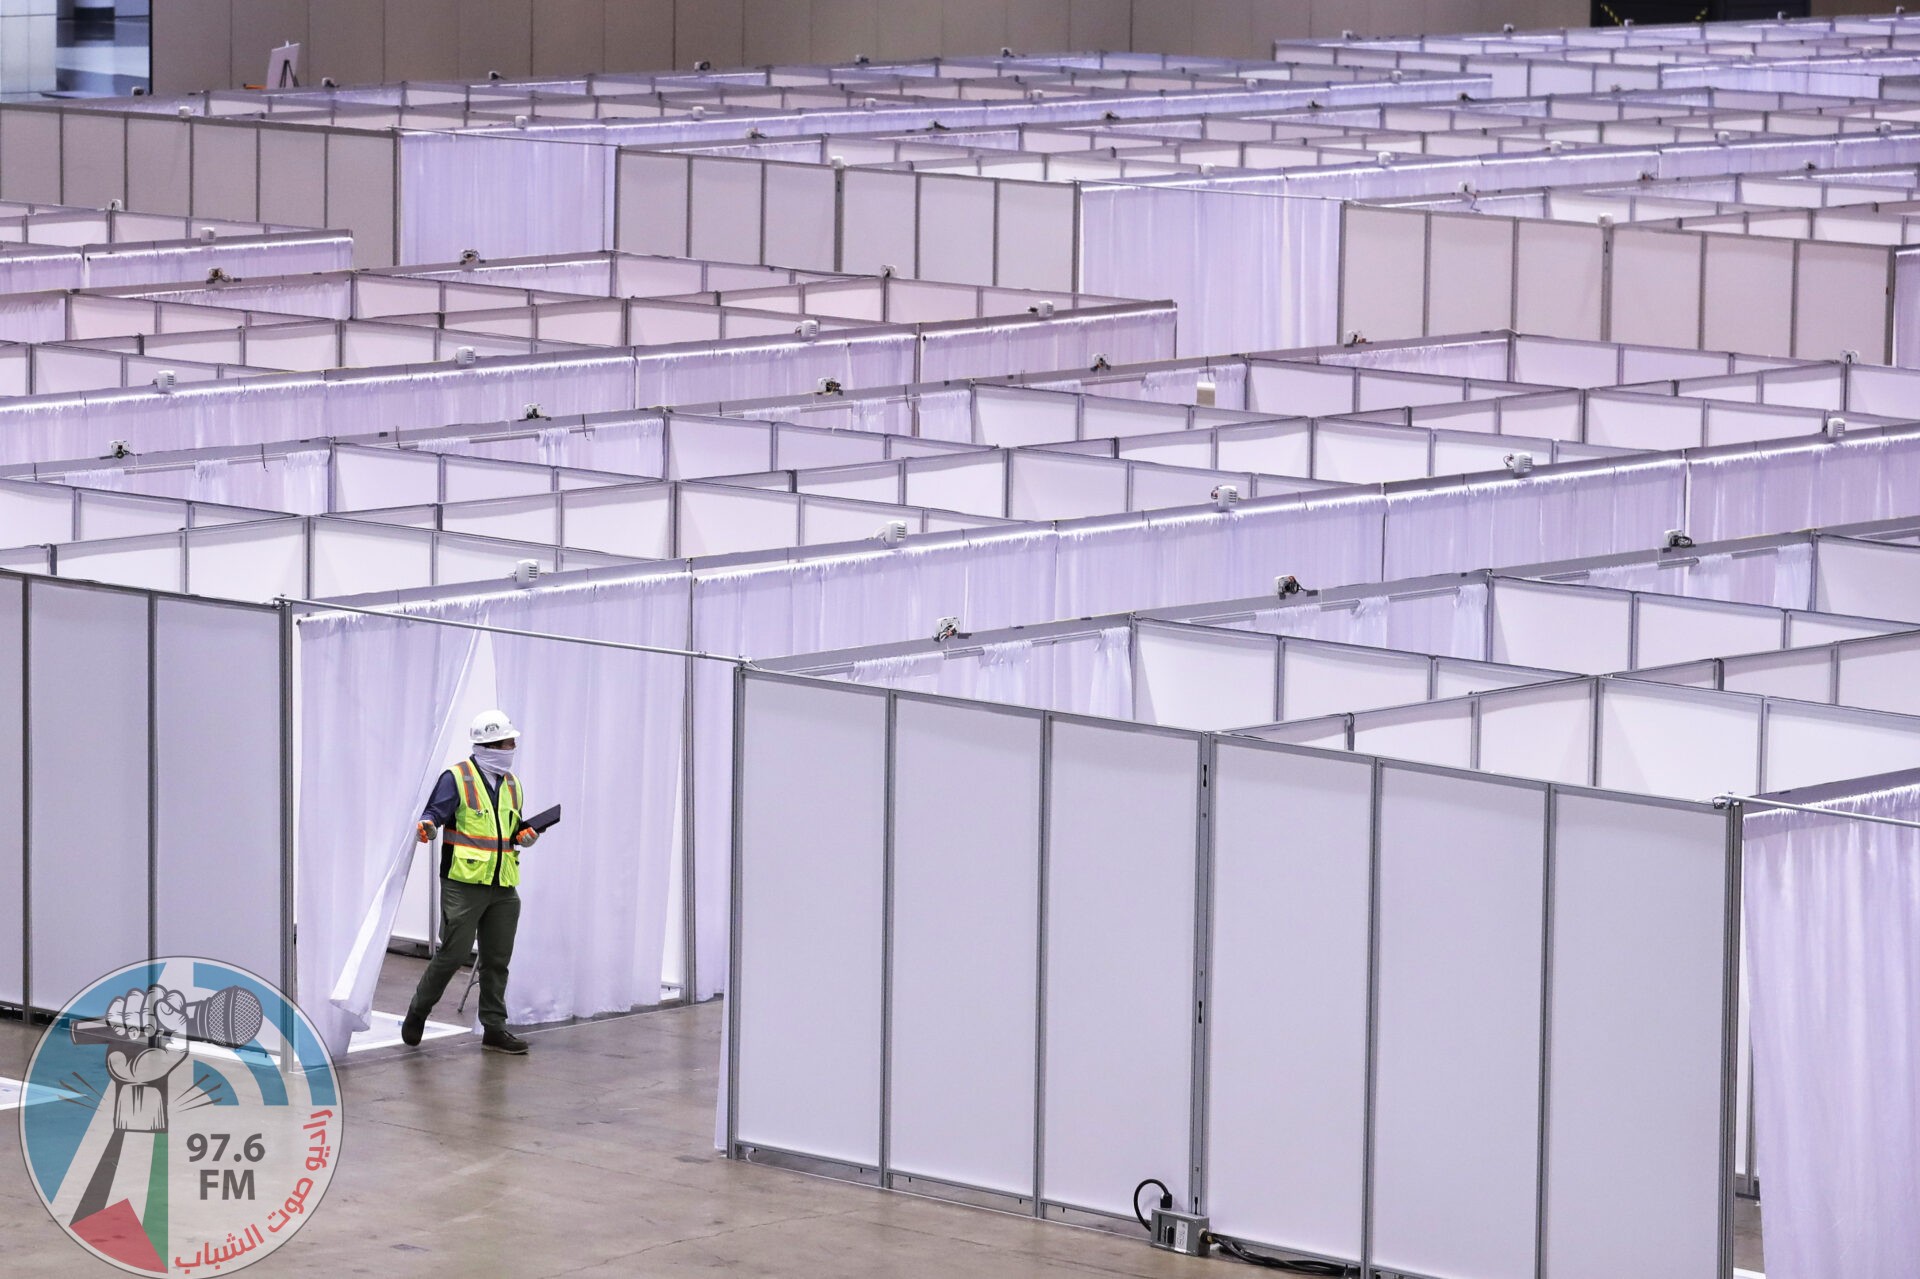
{"x":182,"y":1117}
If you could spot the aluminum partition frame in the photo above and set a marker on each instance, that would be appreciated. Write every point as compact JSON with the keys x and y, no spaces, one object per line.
{"x":885,"y":1177}
{"x":31,"y":583}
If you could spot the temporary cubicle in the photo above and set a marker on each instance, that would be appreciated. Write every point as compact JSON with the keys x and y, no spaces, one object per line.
{"x":1244,"y":969}
{"x":146,"y":769}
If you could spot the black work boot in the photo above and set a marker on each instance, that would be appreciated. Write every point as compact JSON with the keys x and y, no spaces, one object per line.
{"x":499,"y":1039}
{"x":412,"y":1028}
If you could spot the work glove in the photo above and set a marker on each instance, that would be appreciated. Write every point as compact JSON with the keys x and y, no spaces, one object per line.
{"x":424,"y":831}
{"x":526,"y":837}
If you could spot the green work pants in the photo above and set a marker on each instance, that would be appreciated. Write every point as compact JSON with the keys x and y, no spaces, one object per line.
{"x":468,"y":911}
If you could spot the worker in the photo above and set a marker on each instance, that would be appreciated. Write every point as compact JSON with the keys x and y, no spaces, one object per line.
{"x":477,"y":807}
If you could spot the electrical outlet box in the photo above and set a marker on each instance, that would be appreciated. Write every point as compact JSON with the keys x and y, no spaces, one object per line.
{"x":1180,"y":1232}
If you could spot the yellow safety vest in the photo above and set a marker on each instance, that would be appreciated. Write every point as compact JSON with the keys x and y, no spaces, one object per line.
{"x":480,"y":840}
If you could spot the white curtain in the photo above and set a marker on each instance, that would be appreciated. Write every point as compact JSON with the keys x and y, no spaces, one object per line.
{"x":950,"y":352}
{"x":505,"y":197}
{"x":1782,"y":577}
{"x":1493,"y":523}
{"x":298,"y":253}
{"x":1833,"y":956}
{"x":1771,"y":489}
{"x":601,"y":736}
{"x":375,"y":697}
{"x":1252,"y":269}
{"x":748,"y":370}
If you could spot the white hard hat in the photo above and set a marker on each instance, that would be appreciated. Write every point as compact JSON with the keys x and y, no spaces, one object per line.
{"x":491,"y":726}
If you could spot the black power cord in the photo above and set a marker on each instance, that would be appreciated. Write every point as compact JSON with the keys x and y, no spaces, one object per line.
{"x":1296,"y":1267}
{"x":1166,"y":1200}
{"x":1238,"y":1251}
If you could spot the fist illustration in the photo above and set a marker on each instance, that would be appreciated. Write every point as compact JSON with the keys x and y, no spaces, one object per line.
{"x":152,"y":1027}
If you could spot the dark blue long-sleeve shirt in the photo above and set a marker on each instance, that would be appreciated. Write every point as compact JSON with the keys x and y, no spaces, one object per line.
{"x":445,"y":800}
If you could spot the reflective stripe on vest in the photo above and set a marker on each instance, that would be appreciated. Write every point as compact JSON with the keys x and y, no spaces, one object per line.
{"x":480,"y":840}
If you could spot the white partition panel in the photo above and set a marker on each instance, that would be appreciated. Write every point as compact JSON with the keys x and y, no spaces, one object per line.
{"x":699,"y":449}
{"x":1287,"y":1027}
{"x":1194,"y":678}
{"x":725,"y":209}
{"x":151,"y":563}
{"x":1636,"y":1067}
{"x":217,"y":761}
{"x":1840,"y":302}
{"x":1058,"y":486}
{"x":1824,"y":628}
{"x":956,"y":229}
{"x":1867,"y":579}
{"x":1457,"y":1062}
{"x":260,"y":560}
{"x":1349,"y":453}
{"x":362,"y":194}
{"x":1883,"y":674}
{"x":1745,"y":279}
{"x":1319,"y":680}
{"x":1436,"y":733}
{"x":1654,"y":287}
{"x":716,"y":521}
{"x":1012,"y":417}
{"x":878,"y":212}
{"x":1122,"y":840}
{"x":36,"y":513}
{"x":87,"y":794}
{"x":1671,"y":630}
{"x":812,"y":830}
{"x":652,"y":203}
{"x":1807,"y":745}
{"x":965,"y":961}
{"x":1383,"y":273}
{"x":1544,"y":733}
{"x":1803,"y":673}
{"x":1470,"y":273}
{"x":13,"y":759}
{"x":1037,"y":228}
{"x":1558,"y":279}
{"x":802,"y":203}
{"x":1559,"y":629}
{"x":975,"y":484}
{"x":1681,"y":743}
{"x":354,"y":559}
{"x":622,"y":521}
{"x":366,"y":479}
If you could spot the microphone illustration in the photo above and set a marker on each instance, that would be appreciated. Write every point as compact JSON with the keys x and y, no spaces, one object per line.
{"x":228,"y":1017}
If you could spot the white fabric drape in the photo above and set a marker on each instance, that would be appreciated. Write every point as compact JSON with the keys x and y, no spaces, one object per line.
{"x":376,"y":694}
{"x":601,"y":735}
{"x":1252,"y":269}
{"x":1492,"y":523}
{"x":1771,"y":489}
{"x":948,"y":353}
{"x":1782,"y":577}
{"x":506,"y":197}
{"x":1833,"y":956}
{"x":302,"y":253}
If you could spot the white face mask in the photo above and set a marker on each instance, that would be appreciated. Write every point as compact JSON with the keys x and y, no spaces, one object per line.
{"x":493,"y":761}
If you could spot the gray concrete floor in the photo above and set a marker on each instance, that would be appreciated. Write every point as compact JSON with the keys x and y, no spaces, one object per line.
{"x":593,"y":1157}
